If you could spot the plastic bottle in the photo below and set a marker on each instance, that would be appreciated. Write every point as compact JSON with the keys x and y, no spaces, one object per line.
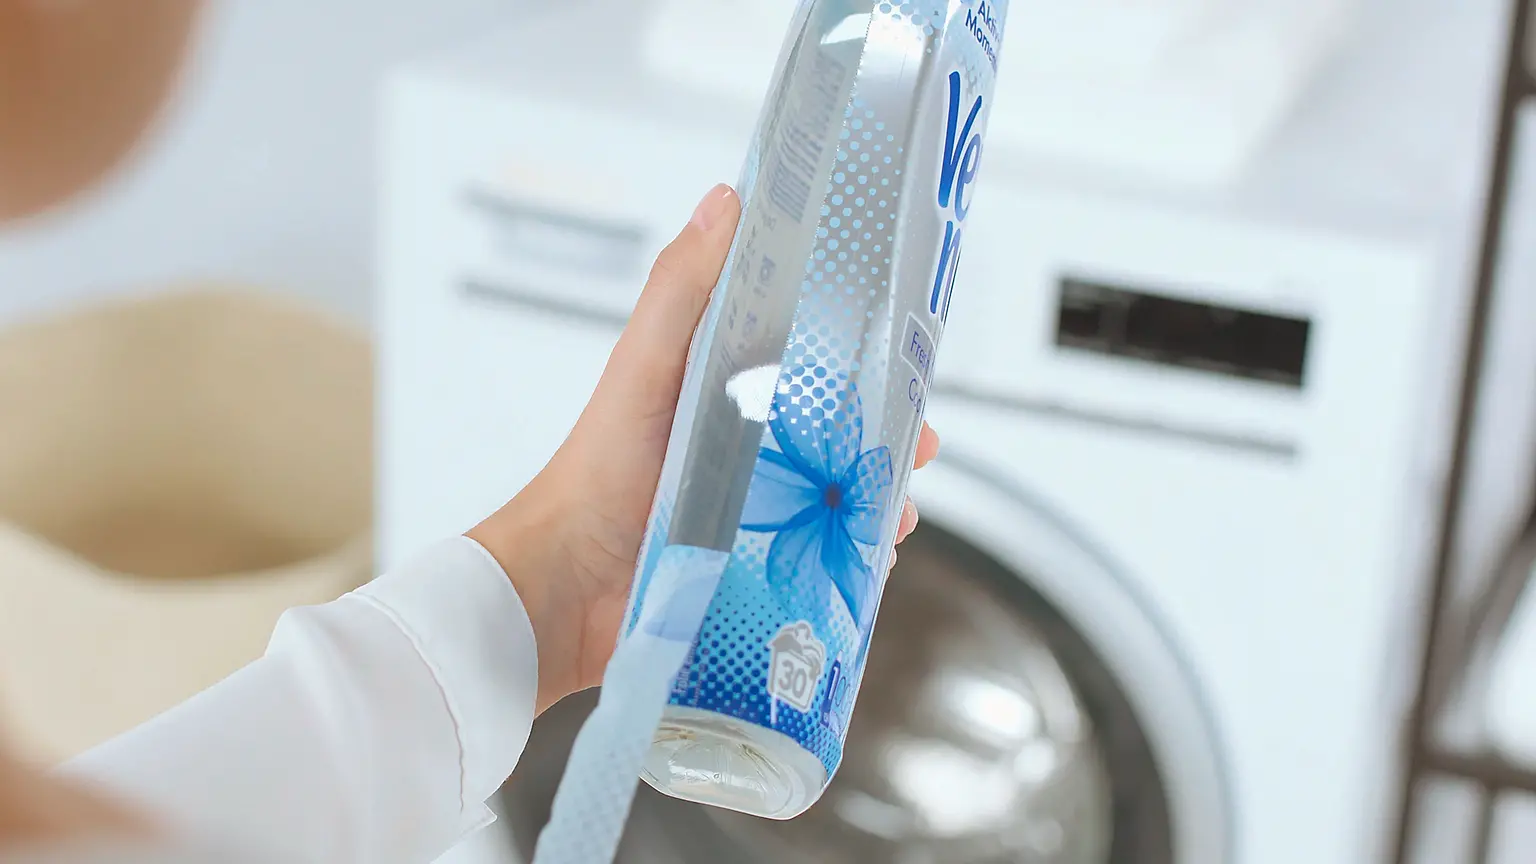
{"x":804,"y":396}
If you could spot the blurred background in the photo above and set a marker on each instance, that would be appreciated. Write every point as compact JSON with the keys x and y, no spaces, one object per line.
{"x":1234,"y":522}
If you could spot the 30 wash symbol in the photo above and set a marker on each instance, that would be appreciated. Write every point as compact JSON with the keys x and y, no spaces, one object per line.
{"x":957,"y":170}
{"x":796,"y":660}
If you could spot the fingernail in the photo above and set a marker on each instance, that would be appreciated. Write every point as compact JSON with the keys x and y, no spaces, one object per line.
{"x":707,"y":215}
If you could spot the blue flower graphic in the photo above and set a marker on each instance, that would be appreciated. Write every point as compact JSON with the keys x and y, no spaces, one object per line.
{"x":821,"y":494}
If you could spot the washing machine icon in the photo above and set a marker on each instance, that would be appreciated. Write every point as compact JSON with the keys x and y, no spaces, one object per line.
{"x":796,"y":660}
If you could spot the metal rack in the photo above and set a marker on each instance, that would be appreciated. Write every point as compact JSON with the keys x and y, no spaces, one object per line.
{"x":1454,"y":647}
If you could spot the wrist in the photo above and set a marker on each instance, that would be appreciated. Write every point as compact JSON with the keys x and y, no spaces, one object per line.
{"x":526,"y":539}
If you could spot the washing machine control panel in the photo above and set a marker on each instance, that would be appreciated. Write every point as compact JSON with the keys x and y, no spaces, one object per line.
{"x":1215,"y":324}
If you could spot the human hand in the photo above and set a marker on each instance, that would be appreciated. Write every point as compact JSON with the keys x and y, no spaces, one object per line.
{"x":570,"y":539}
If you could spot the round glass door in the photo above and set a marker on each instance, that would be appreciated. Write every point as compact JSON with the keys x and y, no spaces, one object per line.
{"x":986,"y":731}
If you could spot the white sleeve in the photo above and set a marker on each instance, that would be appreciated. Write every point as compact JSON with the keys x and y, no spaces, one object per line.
{"x":373,"y":730}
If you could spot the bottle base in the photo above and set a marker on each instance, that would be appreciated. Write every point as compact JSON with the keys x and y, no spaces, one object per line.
{"x":709,"y":758}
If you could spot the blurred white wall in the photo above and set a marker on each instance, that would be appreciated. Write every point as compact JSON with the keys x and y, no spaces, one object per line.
{"x":261,"y":171}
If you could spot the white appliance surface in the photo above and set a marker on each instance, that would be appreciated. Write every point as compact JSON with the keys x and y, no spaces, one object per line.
{"x":1177,"y":92}
{"x":1243,"y":553}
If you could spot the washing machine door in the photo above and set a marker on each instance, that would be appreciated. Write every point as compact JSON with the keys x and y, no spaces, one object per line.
{"x":990,"y":727}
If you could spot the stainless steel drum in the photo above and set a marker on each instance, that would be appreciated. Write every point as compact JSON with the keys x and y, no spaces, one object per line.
{"x":986,"y":732}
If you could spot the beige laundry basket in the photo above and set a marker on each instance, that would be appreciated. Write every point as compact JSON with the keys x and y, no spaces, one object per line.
{"x":174,"y":473}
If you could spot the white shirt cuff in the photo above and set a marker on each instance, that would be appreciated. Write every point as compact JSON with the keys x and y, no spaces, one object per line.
{"x":462,"y":614}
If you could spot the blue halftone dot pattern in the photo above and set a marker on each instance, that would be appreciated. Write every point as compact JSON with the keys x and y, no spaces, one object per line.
{"x":728,"y":671}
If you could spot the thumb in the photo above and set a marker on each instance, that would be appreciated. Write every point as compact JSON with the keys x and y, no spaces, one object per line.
{"x":646,"y":368}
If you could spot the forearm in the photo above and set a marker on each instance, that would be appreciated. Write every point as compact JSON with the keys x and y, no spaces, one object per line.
{"x":373,"y":730}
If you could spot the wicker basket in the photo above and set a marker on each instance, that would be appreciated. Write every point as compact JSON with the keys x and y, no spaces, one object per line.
{"x":174,"y":473}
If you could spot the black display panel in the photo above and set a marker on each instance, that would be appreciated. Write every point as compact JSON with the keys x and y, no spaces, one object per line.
{"x":1137,"y":324}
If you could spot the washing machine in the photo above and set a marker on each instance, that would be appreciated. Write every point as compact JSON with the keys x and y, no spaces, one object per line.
{"x":1192,"y":448}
